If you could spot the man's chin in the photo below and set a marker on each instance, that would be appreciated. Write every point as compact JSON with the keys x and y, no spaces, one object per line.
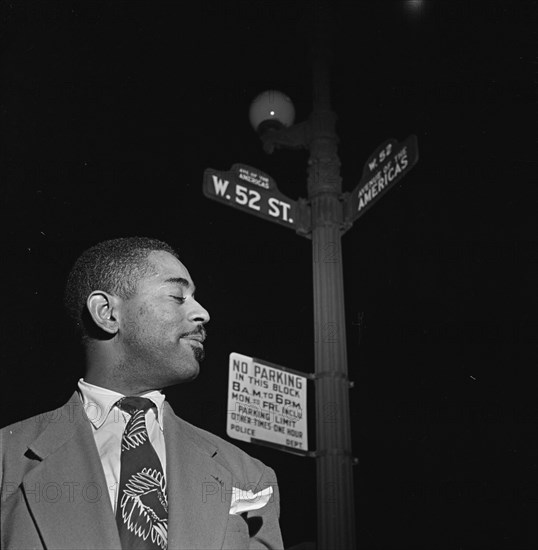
{"x":189,"y":374}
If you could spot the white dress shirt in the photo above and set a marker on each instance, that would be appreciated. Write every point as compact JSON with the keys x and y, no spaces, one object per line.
{"x":109,"y":421}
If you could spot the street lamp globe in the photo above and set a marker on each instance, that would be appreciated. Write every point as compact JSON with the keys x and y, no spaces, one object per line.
{"x":271,"y":110}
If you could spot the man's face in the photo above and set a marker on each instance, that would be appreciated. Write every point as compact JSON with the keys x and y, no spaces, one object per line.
{"x":161,"y":326}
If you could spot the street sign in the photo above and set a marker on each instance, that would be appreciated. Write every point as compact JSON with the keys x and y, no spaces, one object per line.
{"x":385,"y":167}
{"x":252,"y":191}
{"x":266,"y":403}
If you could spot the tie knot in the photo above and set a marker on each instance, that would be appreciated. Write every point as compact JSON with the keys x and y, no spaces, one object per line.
{"x":133,"y":404}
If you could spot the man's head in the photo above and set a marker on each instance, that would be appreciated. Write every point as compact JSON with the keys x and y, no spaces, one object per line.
{"x":134,"y":302}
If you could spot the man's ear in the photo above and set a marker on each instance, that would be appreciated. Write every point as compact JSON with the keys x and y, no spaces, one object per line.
{"x":103,"y":309}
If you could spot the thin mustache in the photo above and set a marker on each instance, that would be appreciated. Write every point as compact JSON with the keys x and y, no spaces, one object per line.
{"x":198,"y":332}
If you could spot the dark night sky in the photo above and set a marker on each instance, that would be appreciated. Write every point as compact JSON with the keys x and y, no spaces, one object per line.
{"x":111,"y":111}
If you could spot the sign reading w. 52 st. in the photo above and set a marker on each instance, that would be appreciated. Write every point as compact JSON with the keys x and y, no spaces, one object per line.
{"x":385,"y":167}
{"x":252,"y":191}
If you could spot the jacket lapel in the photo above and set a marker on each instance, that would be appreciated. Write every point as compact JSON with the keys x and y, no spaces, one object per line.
{"x":199,"y":489}
{"x":66,"y":492}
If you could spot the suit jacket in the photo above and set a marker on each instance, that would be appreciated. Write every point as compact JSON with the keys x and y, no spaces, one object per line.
{"x":54,"y":493}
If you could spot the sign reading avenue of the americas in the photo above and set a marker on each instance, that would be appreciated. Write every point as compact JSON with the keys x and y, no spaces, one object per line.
{"x":266,"y":402}
{"x":385,"y":167}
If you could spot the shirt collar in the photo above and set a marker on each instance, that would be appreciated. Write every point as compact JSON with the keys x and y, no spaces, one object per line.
{"x":98,"y":402}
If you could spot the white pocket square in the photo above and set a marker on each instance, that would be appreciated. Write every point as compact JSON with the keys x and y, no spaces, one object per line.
{"x":244,"y":501}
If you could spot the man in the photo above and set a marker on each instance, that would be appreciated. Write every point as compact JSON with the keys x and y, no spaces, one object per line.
{"x":115,"y":467}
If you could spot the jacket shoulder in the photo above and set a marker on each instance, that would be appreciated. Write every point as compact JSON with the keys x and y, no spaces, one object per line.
{"x":240,"y":463}
{"x":25,"y":431}
{"x":15,"y":440}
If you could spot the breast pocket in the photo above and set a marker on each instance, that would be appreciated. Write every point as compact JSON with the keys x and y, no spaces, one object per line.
{"x":236,"y":537}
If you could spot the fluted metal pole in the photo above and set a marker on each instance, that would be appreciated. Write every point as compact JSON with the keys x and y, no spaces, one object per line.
{"x":336,"y":514}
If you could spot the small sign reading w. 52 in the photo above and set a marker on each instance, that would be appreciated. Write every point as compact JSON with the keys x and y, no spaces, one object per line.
{"x":252,"y":191}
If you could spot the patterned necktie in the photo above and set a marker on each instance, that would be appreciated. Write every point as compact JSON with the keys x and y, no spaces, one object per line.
{"x":142,"y":508}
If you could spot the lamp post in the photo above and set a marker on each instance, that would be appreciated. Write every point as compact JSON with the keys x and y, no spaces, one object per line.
{"x":324,"y":217}
{"x":270,"y":115}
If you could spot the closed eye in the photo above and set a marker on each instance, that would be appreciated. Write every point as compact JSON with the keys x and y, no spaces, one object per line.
{"x":179,"y":299}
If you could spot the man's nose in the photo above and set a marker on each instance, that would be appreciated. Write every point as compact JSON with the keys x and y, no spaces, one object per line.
{"x":198,"y":313}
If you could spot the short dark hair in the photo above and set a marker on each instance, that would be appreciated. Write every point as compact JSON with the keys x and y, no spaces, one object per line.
{"x":114,"y":266}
